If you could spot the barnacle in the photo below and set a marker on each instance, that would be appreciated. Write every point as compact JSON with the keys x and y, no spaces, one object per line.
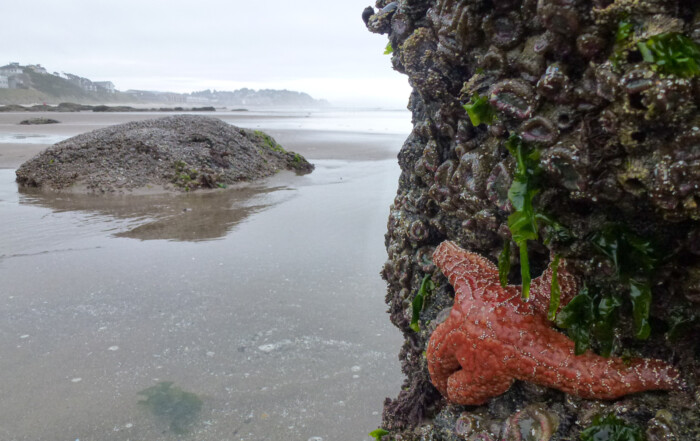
{"x":635,"y":178}
{"x":539,"y":130}
{"x":504,"y":30}
{"x":568,"y":163}
{"x":661,"y":427}
{"x":457,"y":24}
{"x":559,"y":16}
{"x":514,"y":98}
{"x":555,"y":84}
{"x":535,"y":423}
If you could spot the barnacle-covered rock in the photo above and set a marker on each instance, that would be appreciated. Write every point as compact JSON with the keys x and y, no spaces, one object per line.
{"x":568,"y":164}
{"x":457,"y":25}
{"x":613,"y":138}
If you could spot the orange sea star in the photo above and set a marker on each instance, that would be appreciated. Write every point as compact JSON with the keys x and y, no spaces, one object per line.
{"x":493,"y":337}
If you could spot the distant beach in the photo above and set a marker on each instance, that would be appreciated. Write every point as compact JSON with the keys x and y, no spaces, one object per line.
{"x":265,"y":303}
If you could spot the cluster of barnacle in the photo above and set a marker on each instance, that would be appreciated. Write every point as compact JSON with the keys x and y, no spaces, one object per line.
{"x":618,"y":135}
{"x":535,"y":422}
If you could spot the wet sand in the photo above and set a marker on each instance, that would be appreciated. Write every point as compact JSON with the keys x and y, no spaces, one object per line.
{"x":267,"y":303}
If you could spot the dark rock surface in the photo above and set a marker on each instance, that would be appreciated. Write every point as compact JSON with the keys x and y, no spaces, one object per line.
{"x":618,"y":140}
{"x":181,"y":152}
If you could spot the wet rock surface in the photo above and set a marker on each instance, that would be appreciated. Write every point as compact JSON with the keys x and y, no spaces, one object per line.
{"x":180,"y":153}
{"x":614,"y":133}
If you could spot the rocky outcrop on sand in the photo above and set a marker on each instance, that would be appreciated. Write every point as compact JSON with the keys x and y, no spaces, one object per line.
{"x":38,"y":121}
{"x":183,"y":152}
{"x":548,"y":131}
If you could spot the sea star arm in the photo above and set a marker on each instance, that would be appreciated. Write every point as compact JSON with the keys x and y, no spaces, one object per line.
{"x":464,"y":371}
{"x":464,"y":269}
{"x":549,"y":360}
{"x":541,"y":288}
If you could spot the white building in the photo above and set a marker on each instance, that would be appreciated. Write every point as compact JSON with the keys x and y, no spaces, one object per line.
{"x":4,"y":82}
{"x":11,"y":70}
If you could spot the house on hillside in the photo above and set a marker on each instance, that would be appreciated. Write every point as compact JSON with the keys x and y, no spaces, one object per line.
{"x":11,"y":70}
{"x":38,"y":69}
{"x":105,"y":86}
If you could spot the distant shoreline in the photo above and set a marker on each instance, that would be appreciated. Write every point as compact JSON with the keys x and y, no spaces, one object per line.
{"x":73,"y":107}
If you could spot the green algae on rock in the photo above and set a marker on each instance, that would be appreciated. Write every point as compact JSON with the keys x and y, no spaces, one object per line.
{"x":586,"y":83}
{"x":180,"y":153}
{"x":611,"y":428}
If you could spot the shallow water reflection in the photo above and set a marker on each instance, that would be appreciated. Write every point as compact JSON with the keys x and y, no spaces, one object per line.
{"x":179,"y":217}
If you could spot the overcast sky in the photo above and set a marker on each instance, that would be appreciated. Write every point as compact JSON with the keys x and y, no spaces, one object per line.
{"x":316,"y":46}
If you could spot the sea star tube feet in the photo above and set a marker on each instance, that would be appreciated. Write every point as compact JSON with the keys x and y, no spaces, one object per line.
{"x":493,"y":337}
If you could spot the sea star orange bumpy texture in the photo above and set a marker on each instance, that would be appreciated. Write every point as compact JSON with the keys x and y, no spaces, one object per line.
{"x":492,"y":337}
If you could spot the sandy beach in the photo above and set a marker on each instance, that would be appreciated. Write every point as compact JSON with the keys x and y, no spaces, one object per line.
{"x":266,"y":303}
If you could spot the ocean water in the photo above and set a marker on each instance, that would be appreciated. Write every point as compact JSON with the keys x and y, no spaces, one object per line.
{"x":367,"y":121}
{"x":23,"y":138}
{"x":250,"y":315}
{"x":391,"y":122}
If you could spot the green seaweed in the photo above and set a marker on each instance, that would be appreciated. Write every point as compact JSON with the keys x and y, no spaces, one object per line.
{"x":611,"y":428}
{"x":378,"y":434}
{"x":577,"y":317}
{"x":624,"y":31}
{"x":635,"y":259}
{"x":640,"y":295}
{"x":523,"y":222}
{"x":672,"y":53}
{"x":179,"y":408}
{"x":504,"y":263}
{"x":555,"y":290}
{"x":591,"y":314}
{"x":604,"y":325}
{"x":552,"y":230}
{"x":426,"y":288}
{"x":623,"y":41}
{"x":388,"y":50}
{"x":270,"y":142}
{"x":185,"y":177}
{"x":480,"y":110}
